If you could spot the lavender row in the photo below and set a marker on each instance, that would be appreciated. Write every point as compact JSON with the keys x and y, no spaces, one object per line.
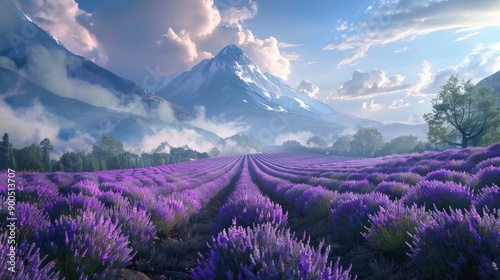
{"x":253,"y":243}
{"x":401,"y":217}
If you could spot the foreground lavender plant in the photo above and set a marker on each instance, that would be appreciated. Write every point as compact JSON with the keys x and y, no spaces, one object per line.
{"x":441,"y":195}
{"x":265,"y":252}
{"x":86,"y":246}
{"x":391,"y":229}
{"x":459,"y":245}
{"x":29,"y":263}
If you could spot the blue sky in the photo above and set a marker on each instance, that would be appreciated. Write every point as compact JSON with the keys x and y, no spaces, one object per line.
{"x":382,"y":60}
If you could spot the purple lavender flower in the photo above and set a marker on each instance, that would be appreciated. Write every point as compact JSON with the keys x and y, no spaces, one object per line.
{"x":458,"y":245}
{"x":350,"y":217}
{"x":265,"y":252}
{"x":391,"y":228}
{"x":363,"y":186}
{"x":394,"y":190}
{"x":89,"y":245}
{"x":441,"y":195}
{"x":73,"y":206}
{"x":29,"y":263}
{"x":445,"y":175}
{"x":489,"y":198}
{"x":485,"y":177}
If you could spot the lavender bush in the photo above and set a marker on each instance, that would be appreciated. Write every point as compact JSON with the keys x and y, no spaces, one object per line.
{"x":489,"y":198}
{"x":28,"y":262}
{"x":88,"y":246}
{"x":391,"y":228}
{"x":441,"y":195}
{"x":350,"y":217}
{"x":265,"y":252}
{"x":485,"y":177}
{"x":459,"y":245}
{"x":394,"y":190}
{"x":444,"y":175}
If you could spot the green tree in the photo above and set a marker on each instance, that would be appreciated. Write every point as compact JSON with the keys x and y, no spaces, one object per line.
{"x":107,"y":150}
{"x":46,"y":147}
{"x":71,"y":162}
{"x":400,"y":145}
{"x":7,"y":158}
{"x":29,"y":158}
{"x":366,"y":142}
{"x":316,"y":141}
{"x":342,"y":145}
{"x":461,"y":113}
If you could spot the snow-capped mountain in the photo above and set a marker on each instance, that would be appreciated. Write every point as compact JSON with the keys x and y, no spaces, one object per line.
{"x":232,"y":67}
{"x":75,"y":94}
{"x":231,"y":86}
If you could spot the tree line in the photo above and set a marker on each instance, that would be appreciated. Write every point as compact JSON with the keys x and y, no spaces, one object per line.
{"x":366,"y":142}
{"x":107,"y":153}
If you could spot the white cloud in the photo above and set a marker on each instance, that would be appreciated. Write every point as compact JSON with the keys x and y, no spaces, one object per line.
{"x":394,"y":21}
{"x":32,"y":125}
{"x":371,"y":107}
{"x":368,"y":84}
{"x":220,"y":127}
{"x":466,"y":36}
{"x":301,"y":137}
{"x":173,"y":137}
{"x":342,"y":26}
{"x":403,"y":49}
{"x":308,"y":88}
{"x":398,"y":104}
{"x":62,"y":19}
{"x":50,"y":71}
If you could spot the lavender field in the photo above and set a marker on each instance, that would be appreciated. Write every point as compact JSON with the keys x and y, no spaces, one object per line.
{"x":432,"y":215}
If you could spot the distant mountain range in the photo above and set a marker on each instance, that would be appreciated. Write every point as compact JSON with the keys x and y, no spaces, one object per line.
{"x":80,"y":96}
{"x":494,"y":82}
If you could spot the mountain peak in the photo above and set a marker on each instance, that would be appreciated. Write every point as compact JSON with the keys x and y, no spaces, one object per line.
{"x":231,"y":49}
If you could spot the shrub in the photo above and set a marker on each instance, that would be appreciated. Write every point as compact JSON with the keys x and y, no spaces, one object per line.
{"x":489,"y":197}
{"x":72,"y":205}
{"x":29,"y":220}
{"x":444,"y":175}
{"x":265,"y":252}
{"x":409,"y":178}
{"x":363,"y":186}
{"x":391,"y":229}
{"x":392,"y":189}
{"x":292,"y":194}
{"x":35,"y":194}
{"x":86,"y":246}
{"x":113,"y":200}
{"x":314,"y":203}
{"x":441,"y":195}
{"x":250,"y":210}
{"x":85,"y":187}
{"x":487,"y":163}
{"x":28,"y":262}
{"x":137,"y":226}
{"x":350,"y":217}
{"x":376,"y":178}
{"x":459,"y":245}
{"x":485,"y":177}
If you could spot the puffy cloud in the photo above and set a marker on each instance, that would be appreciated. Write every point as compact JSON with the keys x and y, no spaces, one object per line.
{"x":371,"y":107}
{"x":366,"y":84}
{"x":308,"y":88}
{"x":220,"y":127}
{"x":32,"y":125}
{"x":138,"y":34}
{"x":480,"y":63}
{"x":393,"y":21}
{"x":62,"y":18}
{"x":49,"y":70}
{"x":398,"y":104}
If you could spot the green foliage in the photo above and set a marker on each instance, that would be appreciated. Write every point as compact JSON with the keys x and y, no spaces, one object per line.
{"x":366,"y":142}
{"x":462,"y":113}
{"x":316,"y":141}
{"x":342,"y":145}
{"x":107,"y":147}
{"x":7,"y":159}
{"x":399,"y":145}
{"x":29,"y":158}
{"x":292,"y":144}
